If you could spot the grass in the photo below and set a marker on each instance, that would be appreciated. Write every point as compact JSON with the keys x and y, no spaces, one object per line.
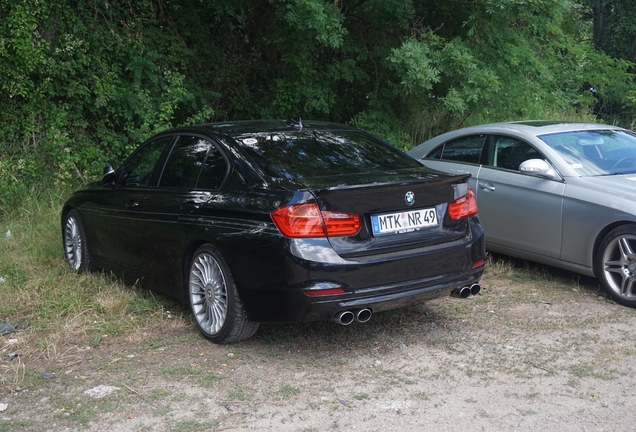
{"x":286,"y":391}
{"x":93,"y":329}
{"x":49,"y":303}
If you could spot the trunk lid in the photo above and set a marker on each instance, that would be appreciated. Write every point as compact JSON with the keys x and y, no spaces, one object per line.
{"x":381,"y":198}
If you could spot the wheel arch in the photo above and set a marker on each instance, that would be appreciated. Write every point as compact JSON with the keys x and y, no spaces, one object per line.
{"x":188,"y":254}
{"x":65,"y":210}
{"x":599,"y":239}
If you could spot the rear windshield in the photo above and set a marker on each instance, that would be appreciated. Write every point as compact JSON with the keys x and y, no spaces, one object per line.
{"x":314,"y":154}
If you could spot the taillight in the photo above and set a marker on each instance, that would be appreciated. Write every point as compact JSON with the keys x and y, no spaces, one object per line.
{"x":306,"y":220}
{"x":341,"y":224}
{"x":463,"y":206}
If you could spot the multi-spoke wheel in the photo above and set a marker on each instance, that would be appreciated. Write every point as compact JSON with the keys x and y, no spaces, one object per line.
{"x":616,"y":264}
{"x":215,"y":303}
{"x":75,"y":247}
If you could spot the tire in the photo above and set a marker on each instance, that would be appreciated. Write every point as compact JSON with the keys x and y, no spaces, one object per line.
{"x":616,"y":264}
{"x":75,"y":246}
{"x":214,"y":299}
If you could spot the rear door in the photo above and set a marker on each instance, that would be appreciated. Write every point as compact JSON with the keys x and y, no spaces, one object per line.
{"x":460,"y":156}
{"x":194,"y":170}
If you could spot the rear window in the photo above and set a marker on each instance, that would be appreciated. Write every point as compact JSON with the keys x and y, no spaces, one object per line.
{"x":315,"y":154}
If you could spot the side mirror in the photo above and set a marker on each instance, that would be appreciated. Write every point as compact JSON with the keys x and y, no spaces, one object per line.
{"x":109,"y":176}
{"x":540,"y":168}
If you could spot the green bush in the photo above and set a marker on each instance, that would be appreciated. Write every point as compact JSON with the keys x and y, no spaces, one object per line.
{"x":84,"y":82}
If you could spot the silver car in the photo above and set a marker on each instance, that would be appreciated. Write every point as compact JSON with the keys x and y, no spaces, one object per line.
{"x":557,"y":193}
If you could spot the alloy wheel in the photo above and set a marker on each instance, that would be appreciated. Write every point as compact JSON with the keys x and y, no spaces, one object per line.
{"x":208,"y":293}
{"x":619,"y":266}
{"x":73,"y":243}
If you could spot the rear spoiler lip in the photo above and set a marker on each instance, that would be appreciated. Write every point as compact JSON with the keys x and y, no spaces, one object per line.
{"x":449,"y":179}
{"x":403,"y":177}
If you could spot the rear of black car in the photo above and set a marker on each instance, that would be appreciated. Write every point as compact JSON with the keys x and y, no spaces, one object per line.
{"x":363,"y":228}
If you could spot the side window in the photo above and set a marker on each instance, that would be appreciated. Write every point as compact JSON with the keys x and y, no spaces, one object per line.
{"x":465,"y":149}
{"x":509,"y":152}
{"x":185,"y":162}
{"x":139,"y":169}
{"x":214,"y":170}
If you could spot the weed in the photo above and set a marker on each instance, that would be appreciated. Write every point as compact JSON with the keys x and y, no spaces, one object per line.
{"x":209,"y":380}
{"x":157,"y":394}
{"x":162,"y":411}
{"x":236,"y":395}
{"x":194,"y":426}
{"x":14,"y":425}
{"x":287,"y":391}
{"x":424,"y":396}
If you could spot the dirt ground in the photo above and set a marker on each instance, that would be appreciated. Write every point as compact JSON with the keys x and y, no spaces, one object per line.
{"x":534,"y":354}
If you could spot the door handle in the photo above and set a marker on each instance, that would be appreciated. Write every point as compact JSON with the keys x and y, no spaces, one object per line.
{"x":132,"y":204}
{"x":486,"y":186}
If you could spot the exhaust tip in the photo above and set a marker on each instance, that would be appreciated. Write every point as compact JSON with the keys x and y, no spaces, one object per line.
{"x":474,"y":289}
{"x":363,"y":315}
{"x":462,"y":292}
{"x":344,"y":317}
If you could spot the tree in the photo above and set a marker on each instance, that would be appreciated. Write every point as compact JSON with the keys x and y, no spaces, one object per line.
{"x":83,"y":82}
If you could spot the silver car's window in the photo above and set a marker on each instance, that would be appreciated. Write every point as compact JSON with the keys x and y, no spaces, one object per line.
{"x":464,"y":149}
{"x":591,"y":153}
{"x":509,"y":153}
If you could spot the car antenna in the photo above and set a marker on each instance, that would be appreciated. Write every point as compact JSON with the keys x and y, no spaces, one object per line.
{"x":296,"y":123}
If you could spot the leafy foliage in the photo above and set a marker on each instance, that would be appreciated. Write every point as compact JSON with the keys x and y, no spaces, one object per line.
{"x":84,"y":82}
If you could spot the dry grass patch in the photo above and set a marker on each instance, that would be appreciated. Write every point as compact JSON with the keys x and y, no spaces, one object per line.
{"x":56,"y":311}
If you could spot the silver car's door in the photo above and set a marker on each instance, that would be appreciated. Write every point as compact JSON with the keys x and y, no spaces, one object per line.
{"x":459,"y":156}
{"x":518,"y":211}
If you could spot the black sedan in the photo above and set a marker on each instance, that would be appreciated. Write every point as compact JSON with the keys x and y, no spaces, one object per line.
{"x":274,"y":221}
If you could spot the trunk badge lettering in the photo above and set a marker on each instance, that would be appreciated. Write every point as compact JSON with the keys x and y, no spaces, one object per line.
{"x":409,"y":198}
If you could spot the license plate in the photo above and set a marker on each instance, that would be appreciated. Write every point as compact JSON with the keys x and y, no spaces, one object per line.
{"x":404,"y":221}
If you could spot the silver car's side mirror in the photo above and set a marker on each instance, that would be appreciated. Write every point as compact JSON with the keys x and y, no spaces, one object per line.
{"x":540,"y":168}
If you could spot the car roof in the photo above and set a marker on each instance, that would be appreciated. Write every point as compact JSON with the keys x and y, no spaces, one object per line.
{"x":247,"y":127}
{"x":542,"y":127}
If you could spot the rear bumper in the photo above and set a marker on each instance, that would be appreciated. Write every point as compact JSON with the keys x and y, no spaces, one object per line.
{"x":276,"y":293}
{"x":391,"y":298}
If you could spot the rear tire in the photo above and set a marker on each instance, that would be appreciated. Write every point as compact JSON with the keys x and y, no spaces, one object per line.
{"x":75,"y":246}
{"x":214,"y":299}
{"x":616,"y":264}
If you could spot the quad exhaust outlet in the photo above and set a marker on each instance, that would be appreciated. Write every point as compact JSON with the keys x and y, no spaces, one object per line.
{"x":347,"y":317}
{"x":466,"y":291}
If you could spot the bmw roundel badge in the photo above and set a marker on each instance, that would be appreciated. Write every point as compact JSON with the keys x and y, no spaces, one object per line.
{"x":409,"y":198}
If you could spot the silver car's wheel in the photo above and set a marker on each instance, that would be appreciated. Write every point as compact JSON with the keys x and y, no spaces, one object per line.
{"x":617,"y":264}
{"x":214,"y":300}
{"x":75,"y":247}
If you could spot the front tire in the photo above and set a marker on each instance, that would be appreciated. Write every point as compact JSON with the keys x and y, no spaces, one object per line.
{"x":75,"y":246}
{"x":616,"y":264}
{"x":214,"y":299}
